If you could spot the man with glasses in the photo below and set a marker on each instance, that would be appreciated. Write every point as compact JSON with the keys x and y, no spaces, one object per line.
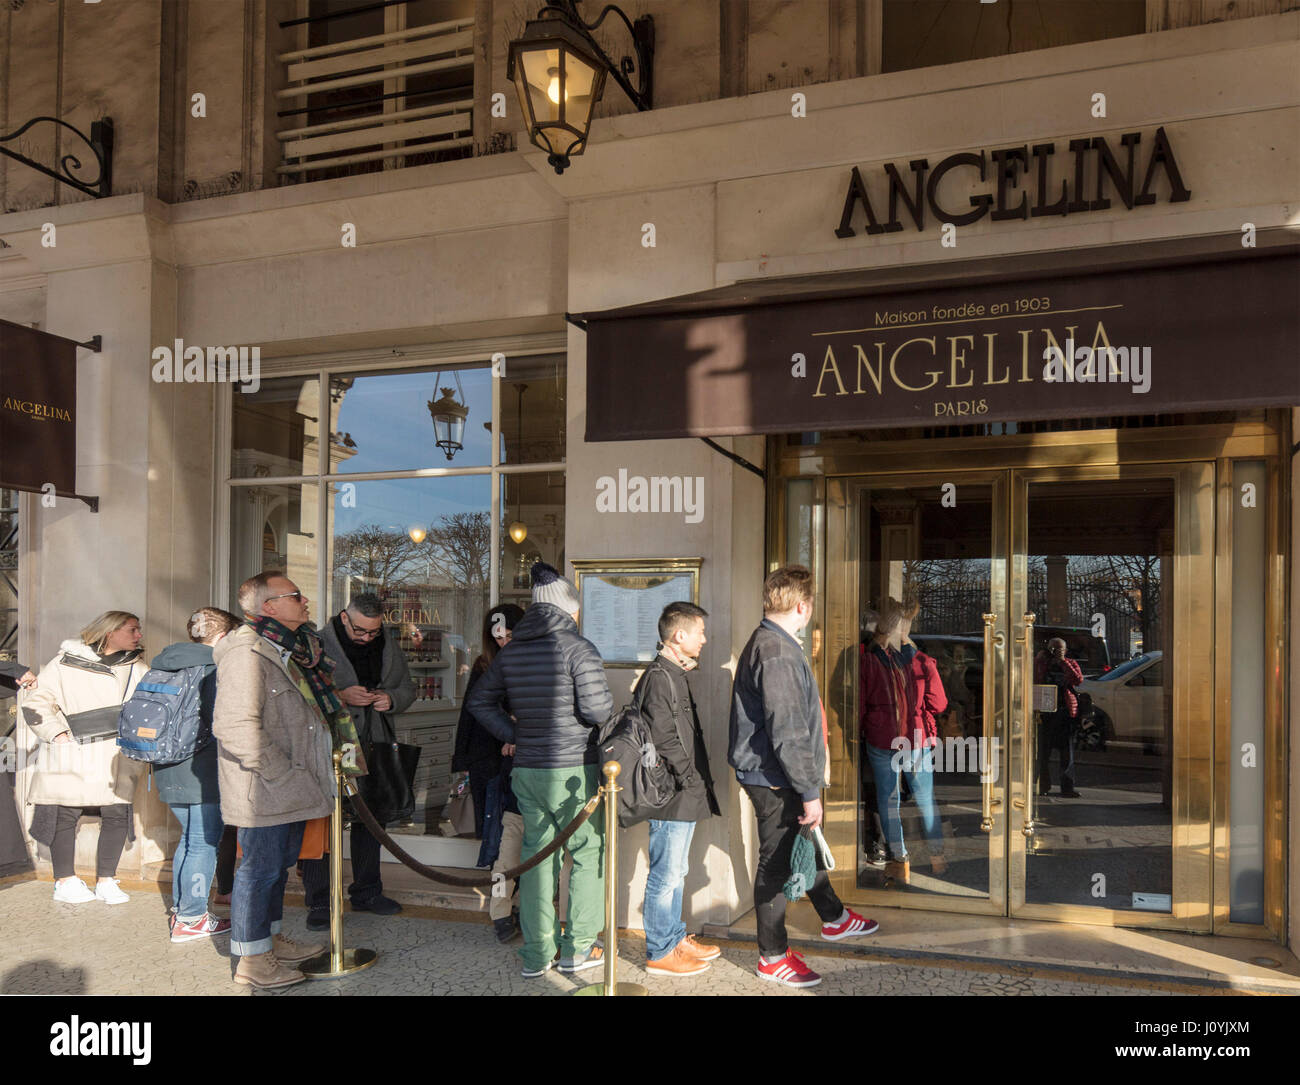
{"x":274,"y":721}
{"x":374,"y":685}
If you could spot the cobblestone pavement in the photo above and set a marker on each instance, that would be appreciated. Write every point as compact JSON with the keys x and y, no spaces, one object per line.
{"x":49,"y":948}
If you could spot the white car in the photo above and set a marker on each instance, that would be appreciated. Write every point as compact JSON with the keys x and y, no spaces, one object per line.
{"x":1125,"y":706}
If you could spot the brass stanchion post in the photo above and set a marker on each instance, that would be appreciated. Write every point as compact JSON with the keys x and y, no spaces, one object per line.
{"x":337,"y":961}
{"x":609,"y":795}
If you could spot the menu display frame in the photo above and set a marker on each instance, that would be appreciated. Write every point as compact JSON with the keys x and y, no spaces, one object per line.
{"x":610,"y":590}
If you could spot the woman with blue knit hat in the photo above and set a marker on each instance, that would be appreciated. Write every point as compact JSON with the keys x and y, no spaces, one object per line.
{"x":554,"y":681}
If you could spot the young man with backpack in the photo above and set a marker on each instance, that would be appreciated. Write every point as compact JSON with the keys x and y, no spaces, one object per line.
{"x":778,"y":750}
{"x":168,"y":723}
{"x":666,"y":705}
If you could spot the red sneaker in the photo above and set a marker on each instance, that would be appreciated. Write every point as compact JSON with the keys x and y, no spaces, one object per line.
{"x":204,"y":927}
{"x":852,"y":927}
{"x":789,"y":971}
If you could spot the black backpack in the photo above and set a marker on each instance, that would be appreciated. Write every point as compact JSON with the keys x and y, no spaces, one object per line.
{"x":647,"y":785}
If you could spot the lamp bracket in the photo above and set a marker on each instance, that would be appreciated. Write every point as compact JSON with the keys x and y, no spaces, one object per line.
{"x":643,"y":44}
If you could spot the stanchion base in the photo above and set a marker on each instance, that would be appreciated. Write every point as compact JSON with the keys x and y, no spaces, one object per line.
{"x":354,"y":960}
{"x":621,"y":990}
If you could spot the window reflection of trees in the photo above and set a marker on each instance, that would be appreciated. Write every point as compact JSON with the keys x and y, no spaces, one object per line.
{"x":456,"y":552}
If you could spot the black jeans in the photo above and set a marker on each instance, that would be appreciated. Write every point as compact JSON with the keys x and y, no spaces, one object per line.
{"x":366,"y":882}
{"x":113,"y":823}
{"x":1056,"y":732}
{"x":778,"y":813}
{"x":226,"y":861}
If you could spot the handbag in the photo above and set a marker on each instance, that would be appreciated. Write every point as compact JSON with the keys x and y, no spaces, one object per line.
{"x":94,"y":724}
{"x":388,"y":789}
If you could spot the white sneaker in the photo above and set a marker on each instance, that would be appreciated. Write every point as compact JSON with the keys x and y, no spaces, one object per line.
{"x":109,"y":893}
{"x":72,"y":891}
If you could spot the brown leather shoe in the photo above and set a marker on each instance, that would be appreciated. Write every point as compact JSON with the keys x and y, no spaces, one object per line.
{"x":938,"y":864}
{"x":288,"y":951}
{"x":898,"y":872}
{"x":264,"y":971}
{"x":703,"y":952}
{"x":680,"y":962}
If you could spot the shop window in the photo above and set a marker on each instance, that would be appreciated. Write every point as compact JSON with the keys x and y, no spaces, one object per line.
{"x":274,"y":527}
{"x":383,"y":422}
{"x":423,"y":544}
{"x":274,"y":432}
{"x":922,"y":33}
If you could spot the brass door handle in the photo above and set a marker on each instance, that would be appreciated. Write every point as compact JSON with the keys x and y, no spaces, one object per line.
{"x":1027,"y":729}
{"x":991,"y":639}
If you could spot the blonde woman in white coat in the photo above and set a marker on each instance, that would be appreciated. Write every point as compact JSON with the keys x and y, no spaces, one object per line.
{"x":98,"y":670}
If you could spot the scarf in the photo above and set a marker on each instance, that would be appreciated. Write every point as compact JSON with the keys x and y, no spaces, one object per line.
{"x":312,"y":672}
{"x":366,"y":657}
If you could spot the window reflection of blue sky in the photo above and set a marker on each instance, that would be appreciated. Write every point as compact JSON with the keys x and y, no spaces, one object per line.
{"x":388,"y":419}
{"x":399,"y":504}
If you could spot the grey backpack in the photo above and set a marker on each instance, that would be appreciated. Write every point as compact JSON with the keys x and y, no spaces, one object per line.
{"x":161,"y":722}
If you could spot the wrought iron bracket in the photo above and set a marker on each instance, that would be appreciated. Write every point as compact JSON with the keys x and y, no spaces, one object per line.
{"x":643,"y":44}
{"x":100,"y":141}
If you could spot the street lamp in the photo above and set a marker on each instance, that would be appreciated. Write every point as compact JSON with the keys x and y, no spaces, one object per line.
{"x":559,"y":74}
{"x":449,"y":420}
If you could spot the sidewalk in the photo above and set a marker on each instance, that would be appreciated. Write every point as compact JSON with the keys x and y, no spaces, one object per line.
{"x":99,"y":949}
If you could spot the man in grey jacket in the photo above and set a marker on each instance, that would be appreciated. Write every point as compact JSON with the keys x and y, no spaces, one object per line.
{"x":274,"y":765}
{"x":778,"y":749}
{"x":374,"y":684}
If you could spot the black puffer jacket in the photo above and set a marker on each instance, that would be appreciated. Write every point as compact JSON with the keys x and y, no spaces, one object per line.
{"x":555,"y":682}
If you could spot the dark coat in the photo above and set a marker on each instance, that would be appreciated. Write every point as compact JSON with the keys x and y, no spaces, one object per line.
{"x":395,"y":680}
{"x":477,"y":750}
{"x":193,"y":780}
{"x":689,"y":766}
{"x":555,"y":682}
{"x":776,"y":716}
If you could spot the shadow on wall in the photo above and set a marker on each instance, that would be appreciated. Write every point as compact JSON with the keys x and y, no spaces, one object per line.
{"x":43,"y":978}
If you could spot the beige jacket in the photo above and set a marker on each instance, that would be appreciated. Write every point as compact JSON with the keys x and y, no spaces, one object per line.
{"x":68,"y":773}
{"x":274,"y":755}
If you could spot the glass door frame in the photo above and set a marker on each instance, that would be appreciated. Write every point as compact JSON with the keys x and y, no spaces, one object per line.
{"x":839,"y":614}
{"x":1192,"y":677}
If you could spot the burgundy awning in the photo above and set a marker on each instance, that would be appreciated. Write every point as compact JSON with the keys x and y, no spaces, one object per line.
{"x":821,"y":354}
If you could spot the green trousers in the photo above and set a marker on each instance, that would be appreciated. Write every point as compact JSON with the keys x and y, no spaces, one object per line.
{"x":548,"y":800}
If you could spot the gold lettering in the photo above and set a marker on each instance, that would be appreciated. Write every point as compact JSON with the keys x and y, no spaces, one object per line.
{"x":959,"y":359}
{"x":1006,"y":373}
{"x":1101,"y":337}
{"x":865,"y":363}
{"x":933,"y":374}
{"x":829,"y":363}
{"x":1025,"y":378}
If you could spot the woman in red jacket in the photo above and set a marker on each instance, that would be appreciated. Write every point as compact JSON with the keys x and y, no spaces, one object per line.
{"x":901,"y":695}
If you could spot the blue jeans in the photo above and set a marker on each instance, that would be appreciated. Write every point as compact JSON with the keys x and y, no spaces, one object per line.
{"x":670,"y":846}
{"x":257,"y":902}
{"x":195,"y":860}
{"x":919,"y":766}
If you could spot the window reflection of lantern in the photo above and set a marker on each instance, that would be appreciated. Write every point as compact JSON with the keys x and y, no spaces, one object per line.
{"x":449,"y":416}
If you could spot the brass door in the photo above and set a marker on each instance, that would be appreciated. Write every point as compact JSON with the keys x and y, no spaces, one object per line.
{"x":1114,"y":561}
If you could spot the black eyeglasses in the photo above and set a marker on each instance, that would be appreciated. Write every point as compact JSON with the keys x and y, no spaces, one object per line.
{"x":368,"y":634}
{"x":287,"y":595}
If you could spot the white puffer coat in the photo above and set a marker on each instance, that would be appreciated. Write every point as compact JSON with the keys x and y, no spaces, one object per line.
{"x":68,"y":773}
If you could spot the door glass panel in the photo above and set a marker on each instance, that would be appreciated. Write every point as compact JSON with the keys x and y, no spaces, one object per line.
{"x":920,"y":688}
{"x":1100,"y":584}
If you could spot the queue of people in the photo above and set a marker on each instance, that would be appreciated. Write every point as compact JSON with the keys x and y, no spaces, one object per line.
{"x":279,"y":698}
{"x":269,"y":718}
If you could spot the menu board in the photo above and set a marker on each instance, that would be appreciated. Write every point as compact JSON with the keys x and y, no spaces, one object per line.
{"x":620,"y":612}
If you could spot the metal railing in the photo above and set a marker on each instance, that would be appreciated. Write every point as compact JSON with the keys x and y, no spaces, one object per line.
{"x":328,"y":81}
